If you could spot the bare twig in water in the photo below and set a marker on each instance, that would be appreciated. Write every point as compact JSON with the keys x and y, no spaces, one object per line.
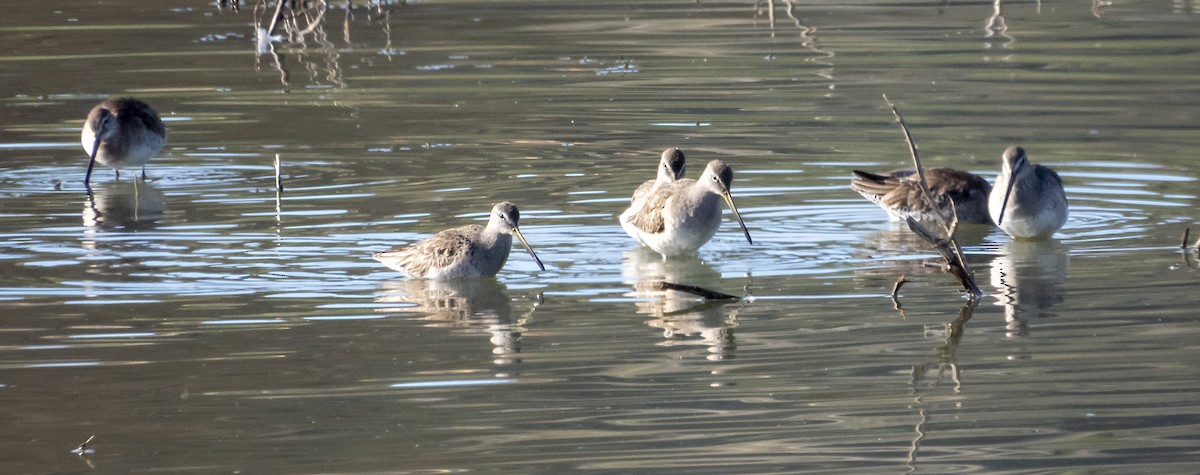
{"x":278,"y":174}
{"x":948,"y":217}
{"x":899,"y":283}
{"x":691,"y":289}
{"x":83,"y":448}
{"x":275,"y":17}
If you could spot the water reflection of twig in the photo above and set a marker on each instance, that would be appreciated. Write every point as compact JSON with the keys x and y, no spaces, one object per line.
{"x":808,"y":39}
{"x":996,"y":27}
{"x":947,"y":359}
{"x":289,"y":27}
{"x":946,"y":363}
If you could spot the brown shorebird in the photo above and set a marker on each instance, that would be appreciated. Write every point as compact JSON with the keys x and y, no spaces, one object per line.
{"x":122,"y":133}
{"x":467,"y":251}
{"x":899,"y":195}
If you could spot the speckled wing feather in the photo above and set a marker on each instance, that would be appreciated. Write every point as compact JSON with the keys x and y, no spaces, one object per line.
{"x":899,"y":194}
{"x":650,"y":218}
{"x":889,"y":191}
{"x":441,"y":250}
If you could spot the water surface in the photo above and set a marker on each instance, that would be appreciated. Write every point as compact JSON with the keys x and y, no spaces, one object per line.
{"x":198,"y":322}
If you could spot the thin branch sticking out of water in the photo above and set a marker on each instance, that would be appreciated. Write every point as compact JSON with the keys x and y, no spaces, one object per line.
{"x":946,"y":246}
{"x":899,"y":283}
{"x":278,"y":174}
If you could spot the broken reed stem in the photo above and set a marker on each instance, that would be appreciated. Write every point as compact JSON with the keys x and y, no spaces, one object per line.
{"x":899,"y":283}
{"x":691,"y":289}
{"x":912,"y":150}
{"x":278,"y":174}
{"x":275,"y":17}
{"x":946,"y":246}
{"x":951,"y":253}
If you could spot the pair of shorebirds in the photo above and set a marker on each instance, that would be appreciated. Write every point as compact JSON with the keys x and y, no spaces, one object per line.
{"x":1028,"y":201}
{"x":670,"y":214}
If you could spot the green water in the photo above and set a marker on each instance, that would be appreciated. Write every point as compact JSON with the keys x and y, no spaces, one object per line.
{"x":194,"y":323}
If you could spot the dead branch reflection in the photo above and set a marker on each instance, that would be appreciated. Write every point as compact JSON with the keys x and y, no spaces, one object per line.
{"x":996,"y":30}
{"x":944,"y":365}
{"x":298,"y":28}
{"x":808,"y":38}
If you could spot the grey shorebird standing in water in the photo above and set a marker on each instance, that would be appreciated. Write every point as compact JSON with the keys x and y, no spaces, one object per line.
{"x":466,"y":251}
{"x":898,"y":194}
{"x":122,"y":133}
{"x":670,"y":168}
{"x":679,"y":217}
{"x":1028,"y":200}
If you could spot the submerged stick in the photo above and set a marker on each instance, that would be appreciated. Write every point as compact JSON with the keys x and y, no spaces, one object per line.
{"x":691,"y":289}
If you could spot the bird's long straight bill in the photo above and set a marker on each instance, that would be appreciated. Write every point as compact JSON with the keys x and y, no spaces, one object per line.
{"x":524,"y":243}
{"x":729,"y":201}
{"x":91,"y":162}
{"x":1012,"y":180}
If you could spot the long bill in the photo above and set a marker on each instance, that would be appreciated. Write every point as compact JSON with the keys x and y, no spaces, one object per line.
{"x":91,"y":163}
{"x":521,"y":238}
{"x":1012,"y":180}
{"x":729,"y":201}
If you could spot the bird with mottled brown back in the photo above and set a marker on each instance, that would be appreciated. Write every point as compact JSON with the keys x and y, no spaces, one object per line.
{"x":900,"y":196}
{"x":122,"y":133}
{"x":679,"y":217}
{"x":671,"y":167}
{"x":466,"y":251}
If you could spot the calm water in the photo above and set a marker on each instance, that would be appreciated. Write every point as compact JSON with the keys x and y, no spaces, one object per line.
{"x":194,"y":323}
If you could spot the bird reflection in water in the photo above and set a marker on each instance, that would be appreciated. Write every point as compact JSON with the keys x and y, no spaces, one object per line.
{"x":1028,"y":277}
{"x":470,"y":306}
{"x":130,"y":205}
{"x":681,"y":316}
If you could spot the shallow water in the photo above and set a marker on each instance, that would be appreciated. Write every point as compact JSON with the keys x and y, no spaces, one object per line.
{"x":196,"y":322}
